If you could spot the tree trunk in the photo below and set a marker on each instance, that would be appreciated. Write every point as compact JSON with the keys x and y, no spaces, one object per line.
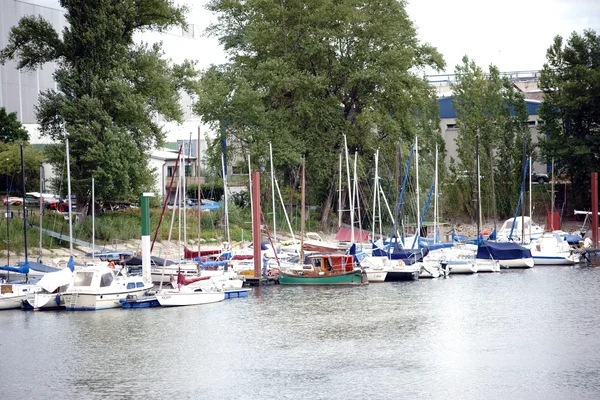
{"x":326,"y":207}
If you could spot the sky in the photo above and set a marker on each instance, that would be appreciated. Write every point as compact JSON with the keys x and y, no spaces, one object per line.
{"x":513,"y":34}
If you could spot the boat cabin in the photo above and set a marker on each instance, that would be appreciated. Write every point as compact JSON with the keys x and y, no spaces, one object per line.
{"x":333,"y":262}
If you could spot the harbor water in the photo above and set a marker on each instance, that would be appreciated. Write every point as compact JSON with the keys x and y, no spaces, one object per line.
{"x":517,"y":334}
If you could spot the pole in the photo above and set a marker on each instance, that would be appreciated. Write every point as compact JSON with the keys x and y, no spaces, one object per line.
{"x":41,"y":209}
{"x":199,"y":200}
{"x":303,"y":206}
{"x":478,"y":184}
{"x":93,"y":220}
{"x":273,"y":194}
{"x":339,"y":195}
{"x":552,"y":198}
{"x":24,"y":204}
{"x":69,"y":195}
{"x":256,"y":223}
{"x":530,"y":206}
{"x":493,"y":184}
{"x":145,"y":205}
{"x":595,"y":209}
{"x":7,"y":225}
{"x":435,"y":198}
{"x":523,"y":196}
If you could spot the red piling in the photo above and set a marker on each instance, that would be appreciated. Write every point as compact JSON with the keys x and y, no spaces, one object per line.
{"x":595,"y":209}
{"x":256,"y":223}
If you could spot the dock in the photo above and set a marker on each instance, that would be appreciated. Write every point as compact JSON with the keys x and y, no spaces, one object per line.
{"x":260,"y":281}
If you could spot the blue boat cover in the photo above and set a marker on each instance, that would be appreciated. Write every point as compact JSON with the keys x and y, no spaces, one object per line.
{"x":409,"y":256}
{"x":501,"y":251}
{"x":23,"y":269}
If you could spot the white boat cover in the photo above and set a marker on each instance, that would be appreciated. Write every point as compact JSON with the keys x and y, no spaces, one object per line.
{"x":53,"y":280}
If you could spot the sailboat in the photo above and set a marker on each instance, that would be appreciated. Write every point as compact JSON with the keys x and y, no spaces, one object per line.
{"x":321,"y":269}
{"x":12,"y":295}
{"x":99,"y":286}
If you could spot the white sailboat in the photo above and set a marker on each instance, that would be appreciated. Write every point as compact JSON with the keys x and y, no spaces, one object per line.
{"x":99,"y":286}
{"x":13,"y":294}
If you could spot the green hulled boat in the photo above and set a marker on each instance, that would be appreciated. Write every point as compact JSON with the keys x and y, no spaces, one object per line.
{"x":325,"y":269}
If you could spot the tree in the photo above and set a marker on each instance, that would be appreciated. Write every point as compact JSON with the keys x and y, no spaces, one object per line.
{"x":489,"y":104}
{"x":306,"y":72}
{"x":570,"y":81}
{"x":110,"y":90}
{"x":10,"y":168}
{"x":11,"y":129}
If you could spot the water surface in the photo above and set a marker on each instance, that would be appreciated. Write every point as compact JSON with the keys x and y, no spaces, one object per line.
{"x":518,"y":334}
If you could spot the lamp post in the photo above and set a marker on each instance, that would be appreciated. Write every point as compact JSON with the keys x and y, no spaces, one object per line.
{"x":7,"y":226}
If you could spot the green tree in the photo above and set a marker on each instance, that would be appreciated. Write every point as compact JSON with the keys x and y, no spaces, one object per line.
{"x":489,"y":104}
{"x":303,"y":73}
{"x":11,"y":129}
{"x":110,"y":90}
{"x":10,"y":167}
{"x":570,"y":81}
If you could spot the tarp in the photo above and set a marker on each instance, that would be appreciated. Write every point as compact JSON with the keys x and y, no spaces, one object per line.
{"x":137,"y":260}
{"x":345,"y":235}
{"x":53,"y":280}
{"x":188,"y":253}
{"x":23,"y":269}
{"x":409,"y":256}
{"x":182,"y":280}
{"x":501,"y":251}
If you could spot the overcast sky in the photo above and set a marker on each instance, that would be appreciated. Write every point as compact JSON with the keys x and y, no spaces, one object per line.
{"x":513,"y":34}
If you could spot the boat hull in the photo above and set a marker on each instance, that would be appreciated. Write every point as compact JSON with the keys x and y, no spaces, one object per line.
{"x":400,"y":276}
{"x":177,"y":299}
{"x":376,"y":276}
{"x":93,"y":301}
{"x":517,"y":263}
{"x":351,"y":278}
{"x":44,"y":301}
{"x":461,"y":267}
{"x":549,"y":260}
{"x":12,"y":296}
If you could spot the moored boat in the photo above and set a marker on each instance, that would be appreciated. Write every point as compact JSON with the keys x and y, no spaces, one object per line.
{"x":325,"y":269}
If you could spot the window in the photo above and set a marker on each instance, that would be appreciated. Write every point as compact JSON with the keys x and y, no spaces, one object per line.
{"x":170,"y":171}
{"x":451,"y":126}
{"x":83,"y":279}
{"x":131,"y":285}
{"x":531,"y":123}
{"x":106,"y":279}
{"x":139,"y":284}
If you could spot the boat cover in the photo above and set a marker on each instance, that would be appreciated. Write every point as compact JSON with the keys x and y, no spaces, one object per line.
{"x":53,"y":280}
{"x":156,"y":261}
{"x":23,"y":269}
{"x":501,"y":251}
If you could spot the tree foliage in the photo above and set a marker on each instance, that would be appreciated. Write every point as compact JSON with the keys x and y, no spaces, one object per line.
{"x":10,"y":168}
{"x":110,"y":90}
{"x":303,"y":73}
{"x":570,"y":81}
{"x":11,"y":129}
{"x":489,"y":104}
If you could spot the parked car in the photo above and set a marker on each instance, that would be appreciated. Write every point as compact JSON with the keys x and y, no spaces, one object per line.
{"x":540,"y":178}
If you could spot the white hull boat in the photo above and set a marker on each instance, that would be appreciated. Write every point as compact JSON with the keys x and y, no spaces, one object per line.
{"x":461,"y":266}
{"x":12,"y":295}
{"x":430,"y":269}
{"x":552,"y":249}
{"x":488,"y":266}
{"x":374,"y":275}
{"x":100,"y":287}
{"x":188,"y":297}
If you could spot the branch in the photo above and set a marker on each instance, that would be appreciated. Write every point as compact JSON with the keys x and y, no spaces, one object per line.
{"x":33,"y":42}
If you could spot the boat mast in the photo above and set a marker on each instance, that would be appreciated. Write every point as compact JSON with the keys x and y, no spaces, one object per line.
{"x":375,"y":184}
{"x":302,"y":215}
{"x":69,"y":195}
{"x":93,"y":220}
{"x":552,"y":197}
{"x":7,"y":224}
{"x":41,"y":209}
{"x":273,"y":193}
{"x":339,"y":194}
{"x":493,"y":184}
{"x":418,"y":224}
{"x":523,"y":197}
{"x":225,"y":197}
{"x":530,"y":208}
{"x":356,"y":198}
{"x":435,"y":198}
{"x":478,"y":184}
{"x":349,"y":189}
{"x":24,"y":207}
{"x":199,"y":201}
